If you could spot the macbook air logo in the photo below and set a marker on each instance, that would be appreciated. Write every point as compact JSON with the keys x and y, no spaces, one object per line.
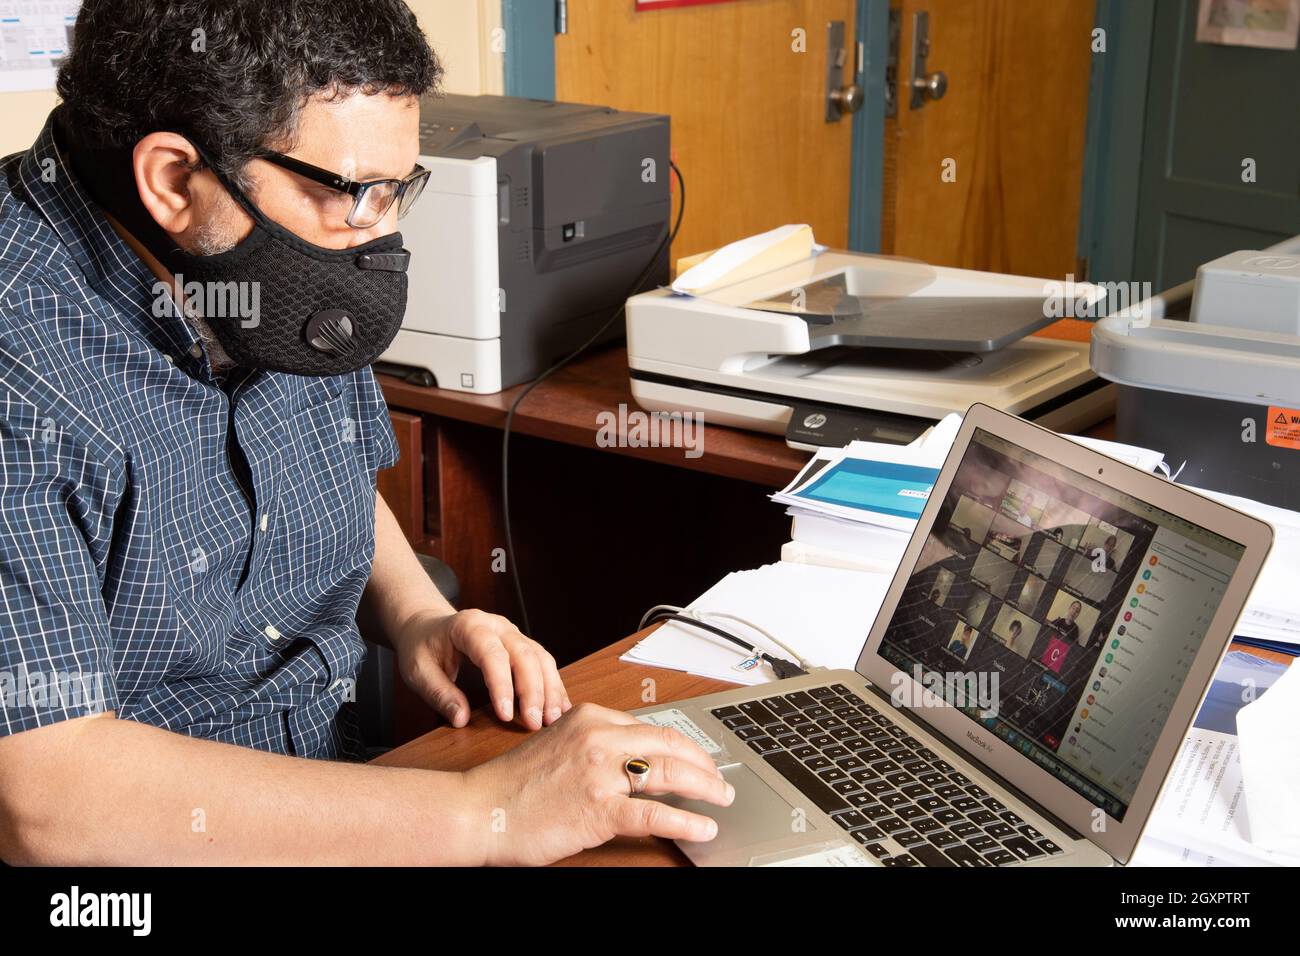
{"x":815,"y":420}
{"x":978,"y":740}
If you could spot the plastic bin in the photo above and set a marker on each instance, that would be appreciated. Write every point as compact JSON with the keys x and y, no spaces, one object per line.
{"x":1224,"y":400}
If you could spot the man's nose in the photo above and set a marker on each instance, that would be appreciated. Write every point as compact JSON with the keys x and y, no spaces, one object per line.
{"x":385,"y":227}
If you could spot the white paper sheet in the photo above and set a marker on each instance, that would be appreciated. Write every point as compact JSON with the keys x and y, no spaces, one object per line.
{"x":1268,"y":731}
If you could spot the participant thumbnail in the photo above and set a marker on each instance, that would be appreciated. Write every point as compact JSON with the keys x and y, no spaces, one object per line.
{"x":961,"y":640}
{"x":1106,"y":544}
{"x":1044,"y":557}
{"x":982,"y":482}
{"x":1023,"y":503}
{"x":1071,"y":618}
{"x":1091,"y":585}
{"x":970,"y":519}
{"x":1027,"y":596}
{"x":992,"y":573}
{"x":977,"y":607}
{"x":1007,"y":538}
{"x":1064,"y":523}
{"x":1015,"y":630}
{"x":942,"y":587}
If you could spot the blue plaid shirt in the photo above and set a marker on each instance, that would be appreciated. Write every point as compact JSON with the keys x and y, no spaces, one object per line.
{"x":138,"y":572}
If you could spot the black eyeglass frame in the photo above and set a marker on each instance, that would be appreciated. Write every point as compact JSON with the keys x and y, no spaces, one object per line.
{"x":357,"y":190}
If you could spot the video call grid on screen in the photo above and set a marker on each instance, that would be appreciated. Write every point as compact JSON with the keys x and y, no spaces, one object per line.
{"x":1024,"y":573}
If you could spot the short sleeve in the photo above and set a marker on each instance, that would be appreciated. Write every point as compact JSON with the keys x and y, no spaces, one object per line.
{"x":55,"y":646}
{"x":376,"y":426}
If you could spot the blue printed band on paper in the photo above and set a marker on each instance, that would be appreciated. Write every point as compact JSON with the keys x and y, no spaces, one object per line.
{"x":879,"y":486}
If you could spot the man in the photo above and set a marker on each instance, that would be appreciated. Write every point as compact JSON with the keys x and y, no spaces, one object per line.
{"x":1108,"y":552}
{"x":1066,"y":625}
{"x":1013,"y":636}
{"x":188,"y":514}
{"x":961,"y":645}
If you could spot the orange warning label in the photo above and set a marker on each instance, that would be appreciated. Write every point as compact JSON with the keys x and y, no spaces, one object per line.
{"x":1283,"y":427}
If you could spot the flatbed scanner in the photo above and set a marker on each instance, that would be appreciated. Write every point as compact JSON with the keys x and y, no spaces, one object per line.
{"x":839,"y":346}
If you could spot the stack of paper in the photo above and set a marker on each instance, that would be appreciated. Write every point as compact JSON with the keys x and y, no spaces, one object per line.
{"x":864,"y":499}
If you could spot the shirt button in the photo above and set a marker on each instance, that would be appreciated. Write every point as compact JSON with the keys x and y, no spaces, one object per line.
{"x":271,"y":632}
{"x":196,"y":350}
{"x":262,"y":525}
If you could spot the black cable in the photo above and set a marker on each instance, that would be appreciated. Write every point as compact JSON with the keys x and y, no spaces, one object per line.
{"x":780,"y":666}
{"x":510,"y":415}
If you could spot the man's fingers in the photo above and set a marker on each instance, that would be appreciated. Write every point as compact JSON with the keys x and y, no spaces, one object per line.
{"x":650,"y":742}
{"x":685,"y":779}
{"x":431,"y":682}
{"x":651,"y":818}
{"x":529,"y":684}
{"x":553,"y":686}
{"x":492,"y":658}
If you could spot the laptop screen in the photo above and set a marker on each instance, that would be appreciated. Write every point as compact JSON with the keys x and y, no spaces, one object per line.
{"x":1060,"y":614}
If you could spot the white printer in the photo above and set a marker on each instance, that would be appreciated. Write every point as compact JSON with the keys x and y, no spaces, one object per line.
{"x":536,"y":220}
{"x":837,"y":346}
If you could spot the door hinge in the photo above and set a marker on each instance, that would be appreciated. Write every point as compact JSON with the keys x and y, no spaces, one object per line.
{"x":561,"y":17}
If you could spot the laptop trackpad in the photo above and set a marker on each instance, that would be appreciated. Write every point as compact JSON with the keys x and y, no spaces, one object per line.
{"x":758,"y":813}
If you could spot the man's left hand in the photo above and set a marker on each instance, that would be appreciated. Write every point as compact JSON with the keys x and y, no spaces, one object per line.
{"x":431,"y":646}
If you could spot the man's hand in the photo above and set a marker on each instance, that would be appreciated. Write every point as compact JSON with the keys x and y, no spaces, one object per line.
{"x":432,"y":645}
{"x":566,"y":789}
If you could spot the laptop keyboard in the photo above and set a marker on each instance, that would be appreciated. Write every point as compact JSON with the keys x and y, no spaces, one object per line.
{"x":880,"y":783}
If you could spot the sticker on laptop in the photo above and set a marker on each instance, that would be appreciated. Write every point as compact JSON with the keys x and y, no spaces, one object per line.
{"x":840,"y":855}
{"x":676,"y":719}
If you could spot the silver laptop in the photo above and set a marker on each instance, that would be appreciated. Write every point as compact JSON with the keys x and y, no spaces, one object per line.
{"x":1039,"y":657}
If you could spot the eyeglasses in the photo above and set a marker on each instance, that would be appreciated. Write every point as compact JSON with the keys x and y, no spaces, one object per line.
{"x":371,"y":200}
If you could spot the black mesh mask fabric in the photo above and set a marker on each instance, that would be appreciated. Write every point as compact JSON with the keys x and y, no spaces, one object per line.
{"x":294,"y":279}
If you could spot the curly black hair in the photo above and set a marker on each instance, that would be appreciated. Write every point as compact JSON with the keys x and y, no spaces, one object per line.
{"x":233,"y":73}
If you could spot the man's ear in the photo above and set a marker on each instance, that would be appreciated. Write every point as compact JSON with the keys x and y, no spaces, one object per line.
{"x":164,"y":166}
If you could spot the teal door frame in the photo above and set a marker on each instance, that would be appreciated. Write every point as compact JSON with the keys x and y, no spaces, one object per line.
{"x":1112,"y":154}
{"x":530,"y":48}
{"x":530,"y":71}
{"x":866,"y":185}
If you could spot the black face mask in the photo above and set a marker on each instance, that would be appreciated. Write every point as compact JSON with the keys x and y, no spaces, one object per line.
{"x":275,"y":301}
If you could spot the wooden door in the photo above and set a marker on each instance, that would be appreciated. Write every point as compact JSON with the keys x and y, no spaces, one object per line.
{"x":747,"y":100}
{"x":989,"y":176}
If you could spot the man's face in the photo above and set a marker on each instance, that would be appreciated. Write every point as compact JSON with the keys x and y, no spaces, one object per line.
{"x":1073,"y":612}
{"x":360,"y":137}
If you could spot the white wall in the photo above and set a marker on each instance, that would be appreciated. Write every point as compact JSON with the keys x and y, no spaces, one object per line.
{"x":460,"y":31}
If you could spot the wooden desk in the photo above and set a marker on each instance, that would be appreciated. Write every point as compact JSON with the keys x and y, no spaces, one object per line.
{"x":603,"y":679}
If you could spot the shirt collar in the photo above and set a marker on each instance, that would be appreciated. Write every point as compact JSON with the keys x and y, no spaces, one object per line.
{"x":111,"y":267}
